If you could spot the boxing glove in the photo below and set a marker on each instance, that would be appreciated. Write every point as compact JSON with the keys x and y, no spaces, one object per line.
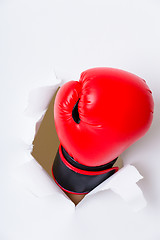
{"x":96,"y":119}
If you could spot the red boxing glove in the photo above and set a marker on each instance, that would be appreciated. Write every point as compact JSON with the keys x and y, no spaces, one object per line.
{"x":96,"y":119}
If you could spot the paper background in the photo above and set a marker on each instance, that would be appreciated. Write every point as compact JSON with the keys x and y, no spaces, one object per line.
{"x":39,"y":37}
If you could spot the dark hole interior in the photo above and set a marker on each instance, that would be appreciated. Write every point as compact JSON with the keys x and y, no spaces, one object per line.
{"x":75,"y":113}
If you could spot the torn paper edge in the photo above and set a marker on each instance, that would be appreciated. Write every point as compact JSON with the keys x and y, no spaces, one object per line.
{"x":122,"y":183}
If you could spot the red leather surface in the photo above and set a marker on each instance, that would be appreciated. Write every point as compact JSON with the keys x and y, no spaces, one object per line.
{"x":115,"y":110}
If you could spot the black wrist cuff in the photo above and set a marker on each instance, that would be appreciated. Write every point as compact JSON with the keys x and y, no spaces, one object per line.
{"x":76,"y":178}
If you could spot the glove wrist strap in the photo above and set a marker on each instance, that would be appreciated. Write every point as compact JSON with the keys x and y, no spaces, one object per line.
{"x":76,"y":178}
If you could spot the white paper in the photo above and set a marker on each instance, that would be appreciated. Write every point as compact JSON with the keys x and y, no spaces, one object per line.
{"x":34,"y":178}
{"x":124,"y":184}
